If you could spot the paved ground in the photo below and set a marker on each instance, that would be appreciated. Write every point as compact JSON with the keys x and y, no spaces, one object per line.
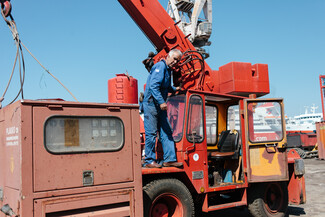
{"x":315,"y":191}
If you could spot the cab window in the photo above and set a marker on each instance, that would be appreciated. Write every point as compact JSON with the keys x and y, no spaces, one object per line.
{"x":211,"y":113}
{"x":264,"y":121}
{"x":233,"y":118}
{"x":175,"y":113}
{"x":195,"y":119}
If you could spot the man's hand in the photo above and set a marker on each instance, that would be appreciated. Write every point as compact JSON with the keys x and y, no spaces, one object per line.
{"x":178,"y":88}
{"x":163,"y":106}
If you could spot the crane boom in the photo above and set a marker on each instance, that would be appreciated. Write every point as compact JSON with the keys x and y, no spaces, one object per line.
{"x":165,"y":35}
{"x":156,"y":24}
{"x":187,"y":14}
{"x":194,"y":73}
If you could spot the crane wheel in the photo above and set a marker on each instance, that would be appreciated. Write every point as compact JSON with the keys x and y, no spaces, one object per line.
{"x":167,"y":197}
{"x":268,"y":199}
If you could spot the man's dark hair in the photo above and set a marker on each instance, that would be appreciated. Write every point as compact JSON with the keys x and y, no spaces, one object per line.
{"x":148,"y":62}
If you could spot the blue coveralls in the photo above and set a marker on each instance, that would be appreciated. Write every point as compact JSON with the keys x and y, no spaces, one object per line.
{"x":155,"y":120}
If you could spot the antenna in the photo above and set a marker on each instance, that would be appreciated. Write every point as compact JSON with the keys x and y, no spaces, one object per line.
{"x":306,"y":109}
{"x":313,"y":108}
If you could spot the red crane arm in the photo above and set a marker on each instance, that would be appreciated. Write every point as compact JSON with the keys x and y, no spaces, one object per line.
{"x":156,"y":24}
{"x":232,"y":78}
{"x":165,"y":35}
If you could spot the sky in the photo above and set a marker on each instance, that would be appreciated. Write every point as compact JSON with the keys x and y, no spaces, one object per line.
{"x":85,"y":45}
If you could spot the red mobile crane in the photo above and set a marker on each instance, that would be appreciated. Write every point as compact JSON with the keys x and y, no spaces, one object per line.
{"x":260,"y":168}
{"x":64,"y":158}
{"x":200,"y":115}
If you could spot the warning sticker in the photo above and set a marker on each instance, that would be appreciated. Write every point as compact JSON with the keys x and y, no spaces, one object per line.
{"x":12,"y":138}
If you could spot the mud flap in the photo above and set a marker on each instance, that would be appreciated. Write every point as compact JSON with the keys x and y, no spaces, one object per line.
{"x":296,"y":185}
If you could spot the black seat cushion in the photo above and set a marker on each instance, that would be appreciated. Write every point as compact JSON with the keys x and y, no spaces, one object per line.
{"x":227,"y":144}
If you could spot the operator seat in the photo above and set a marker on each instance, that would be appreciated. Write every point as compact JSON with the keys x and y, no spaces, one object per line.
{"x":228,"y":145}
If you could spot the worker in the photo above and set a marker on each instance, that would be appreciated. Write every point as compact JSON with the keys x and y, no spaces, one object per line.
{"x":155,"y":112}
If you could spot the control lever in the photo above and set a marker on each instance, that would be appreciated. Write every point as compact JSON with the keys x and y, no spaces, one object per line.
{"x":194,"y":138}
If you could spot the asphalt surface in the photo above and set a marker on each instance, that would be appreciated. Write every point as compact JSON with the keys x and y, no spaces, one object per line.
{"x":315,"y":193}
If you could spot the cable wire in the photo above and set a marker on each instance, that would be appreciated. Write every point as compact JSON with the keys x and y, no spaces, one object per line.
{"x":48,"y":71}
{"x":19,"y":55}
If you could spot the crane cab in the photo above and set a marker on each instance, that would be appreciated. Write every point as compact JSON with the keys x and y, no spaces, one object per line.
{"x":227,"y":143}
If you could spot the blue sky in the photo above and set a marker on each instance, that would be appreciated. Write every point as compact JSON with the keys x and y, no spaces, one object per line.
{"x":84,"y":45}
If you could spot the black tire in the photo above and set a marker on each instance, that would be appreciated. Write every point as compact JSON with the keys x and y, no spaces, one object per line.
{"x":268,"y":199}
{"x":301,"y":152}
{"x":167,"y":197}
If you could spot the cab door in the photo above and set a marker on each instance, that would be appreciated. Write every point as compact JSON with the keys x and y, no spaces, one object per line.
{"x":266,"y":140}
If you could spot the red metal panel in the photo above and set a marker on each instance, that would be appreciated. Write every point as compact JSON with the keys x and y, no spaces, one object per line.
{"x":65,"y":171}
{"x":243,"y":79}
{"x":137,"y":203}
{"x":11,"y":144}
{"x":26,"y":206}
{"x":10,"y":160}
{"x":322,"y":91}
{"x":75,"y":205}
{"x":320,"y":129}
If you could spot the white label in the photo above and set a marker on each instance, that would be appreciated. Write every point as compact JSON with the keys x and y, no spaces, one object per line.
{"x":195,"y":157}
{"x":12,"y":137}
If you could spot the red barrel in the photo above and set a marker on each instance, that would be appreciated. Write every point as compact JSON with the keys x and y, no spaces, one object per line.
{"x":123,"y":89}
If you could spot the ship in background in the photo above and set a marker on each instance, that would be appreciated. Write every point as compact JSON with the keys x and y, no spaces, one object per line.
{"x":301,"y":129}
{"x":304,"y":123}
{"x":301,"y":132}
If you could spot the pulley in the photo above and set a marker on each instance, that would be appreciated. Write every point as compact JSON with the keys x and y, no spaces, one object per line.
{"x":5,"y":7}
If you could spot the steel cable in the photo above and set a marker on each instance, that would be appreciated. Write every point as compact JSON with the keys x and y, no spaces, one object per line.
{"x":12,"y":72}
{"x":187,"y":65}
{"x":22,"y":79}
{"x":19,"y":54}
{"x":48,"y":71}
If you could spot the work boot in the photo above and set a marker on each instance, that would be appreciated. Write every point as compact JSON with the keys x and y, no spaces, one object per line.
{"x":173,"y":164}
{"x":153,"y":165}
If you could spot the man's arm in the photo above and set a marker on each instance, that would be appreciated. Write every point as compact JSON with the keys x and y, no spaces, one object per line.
{"x":157,"y":76}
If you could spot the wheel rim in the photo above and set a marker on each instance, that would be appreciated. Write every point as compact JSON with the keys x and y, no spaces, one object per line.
{"x":273,"y":198}
{"x":166,"y":205}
